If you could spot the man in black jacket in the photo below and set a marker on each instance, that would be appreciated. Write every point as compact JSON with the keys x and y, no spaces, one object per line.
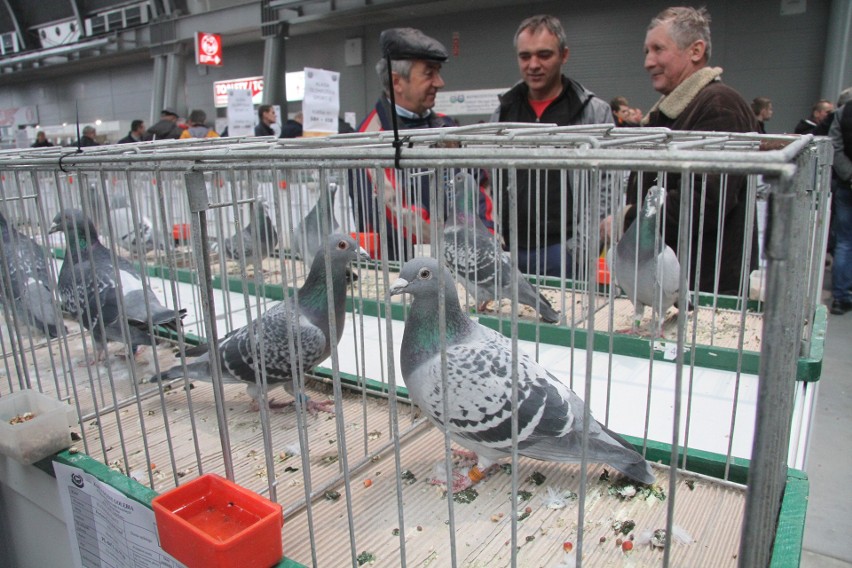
{"x":266,"y":117}
{"x":820,"y":110}
{"x":136,"y":134}
{"x":545,"y":95}
{"x":166,"y":128}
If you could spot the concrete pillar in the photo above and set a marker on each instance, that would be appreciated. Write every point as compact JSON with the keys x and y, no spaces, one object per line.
{"x":274,"y":70}
{"x":158,"y":83}
{"x":837,"y":68}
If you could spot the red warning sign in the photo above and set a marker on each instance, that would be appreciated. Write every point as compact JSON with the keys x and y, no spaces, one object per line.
{"x":208,"y":49}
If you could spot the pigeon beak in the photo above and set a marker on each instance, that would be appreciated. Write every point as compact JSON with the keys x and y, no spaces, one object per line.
{"x":55,"y":228}
{"x":398,"y":287}
{"x":363,"y":254}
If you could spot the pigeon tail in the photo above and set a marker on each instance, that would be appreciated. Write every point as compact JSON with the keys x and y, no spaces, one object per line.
{"x":634,"y":465}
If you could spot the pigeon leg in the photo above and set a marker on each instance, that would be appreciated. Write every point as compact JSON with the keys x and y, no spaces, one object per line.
{"x":466,"y":476}
{"x":316,"y":407}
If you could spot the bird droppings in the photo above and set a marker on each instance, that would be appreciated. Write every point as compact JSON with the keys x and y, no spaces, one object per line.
{"x":374,"y":435}
{"x":536,"y":478}
{"x":468,"y":495}
{"x":366,"y":557}
{"x":408,"y":477}
{"x":524,"y":495}
{"x":623,"y":527}
{"x":331,"y":495}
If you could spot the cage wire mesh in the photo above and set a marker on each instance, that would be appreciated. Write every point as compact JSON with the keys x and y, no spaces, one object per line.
{"x":711,"y":392}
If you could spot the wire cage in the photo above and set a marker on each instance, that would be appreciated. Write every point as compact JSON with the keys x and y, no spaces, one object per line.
{"x":717,"y":393}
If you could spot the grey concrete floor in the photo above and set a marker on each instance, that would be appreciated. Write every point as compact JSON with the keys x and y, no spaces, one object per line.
{"x":828,"y":524}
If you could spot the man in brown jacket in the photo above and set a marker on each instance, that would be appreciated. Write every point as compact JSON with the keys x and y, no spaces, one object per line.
{"x":677,"y":51}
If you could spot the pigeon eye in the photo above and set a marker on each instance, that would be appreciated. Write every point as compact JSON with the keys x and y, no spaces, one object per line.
{"x":342,"y":245}
{"x":425,"y":274}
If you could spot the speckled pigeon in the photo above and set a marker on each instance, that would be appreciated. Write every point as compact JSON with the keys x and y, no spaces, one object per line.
{"x":643,"y":265}
{"x":267,"y":236}
{"x":550,"y":415}
{"x":27,"y":291}
{"x":89,"y":288}
{"x":305,"y":320}
{"x":470,"y":252}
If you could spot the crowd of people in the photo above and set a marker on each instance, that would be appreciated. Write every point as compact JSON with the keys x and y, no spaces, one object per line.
{"x":693,"y":97}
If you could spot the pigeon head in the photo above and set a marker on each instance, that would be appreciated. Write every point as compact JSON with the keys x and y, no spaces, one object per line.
{"x":343,"y":250}
{"x":420,"y":278}
{"x":77,"y":227}
{"x":463,"y":199}
{"x":654,"y":200}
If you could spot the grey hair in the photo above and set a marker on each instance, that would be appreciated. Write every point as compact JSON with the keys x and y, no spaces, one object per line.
{"x":401,"y":67}
{"x":550,"y":23}
{"x":844,"y":97}
{"x":688,"y":25}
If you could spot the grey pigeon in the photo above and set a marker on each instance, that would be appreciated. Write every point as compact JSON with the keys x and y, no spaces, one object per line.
{"x":308,"y":236}
{"x":643,"y":265}
{"x":266,"y":238}
{"x":470,"y":252}
{"x":27,"y":291}
{"x":130,"y":235}
{"x":302,"y":318}
{"x":479,"y":377}
{"x":88,"y":288}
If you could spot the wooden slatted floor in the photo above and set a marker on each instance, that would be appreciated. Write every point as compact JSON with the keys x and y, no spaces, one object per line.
{"x":709,"y":511}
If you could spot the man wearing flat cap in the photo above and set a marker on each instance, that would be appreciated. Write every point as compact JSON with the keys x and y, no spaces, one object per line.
{"x":166,"y":128}
{"x":414,"y":80}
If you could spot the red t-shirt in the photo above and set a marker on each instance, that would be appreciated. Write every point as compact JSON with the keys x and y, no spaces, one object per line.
{"x":539,"y":106}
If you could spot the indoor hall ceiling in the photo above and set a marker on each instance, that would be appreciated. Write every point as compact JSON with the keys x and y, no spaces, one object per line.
{"x":303,"y":17}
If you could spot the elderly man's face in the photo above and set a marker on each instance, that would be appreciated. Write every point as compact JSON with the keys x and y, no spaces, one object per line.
{"x":417,"y":93}
{"x":667,"y":64}
{"x":540,"y":61}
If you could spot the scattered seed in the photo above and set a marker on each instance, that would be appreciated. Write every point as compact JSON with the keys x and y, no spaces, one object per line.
{"x":618,"y":542}
{"x":368,"y":482}
{"x":627,"y":546}
{"x":530,"y":538}
{"x":567,"y":546}
{"x":602,"y":540}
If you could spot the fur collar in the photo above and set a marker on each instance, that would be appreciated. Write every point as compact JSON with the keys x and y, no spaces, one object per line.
{"x":675,"y":102}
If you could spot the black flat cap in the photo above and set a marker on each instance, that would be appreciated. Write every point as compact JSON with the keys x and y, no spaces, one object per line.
{"x":409,"y":43}
{"x":166,"y":111}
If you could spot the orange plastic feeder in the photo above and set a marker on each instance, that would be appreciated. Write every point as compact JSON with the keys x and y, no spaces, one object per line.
{"x":370,"y":242}
{"x":211,"y":522}
{"x":180,"y":232}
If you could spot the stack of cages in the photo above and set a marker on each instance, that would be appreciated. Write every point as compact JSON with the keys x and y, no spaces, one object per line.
{"x":717,"y":393}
